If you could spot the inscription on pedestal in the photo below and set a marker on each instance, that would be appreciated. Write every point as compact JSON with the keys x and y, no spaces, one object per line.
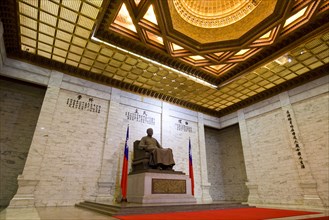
{"x":168,"y":186}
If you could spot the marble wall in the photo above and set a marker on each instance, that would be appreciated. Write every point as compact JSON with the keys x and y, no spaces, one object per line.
{"x":20,"y":104}
{"x":71,"y":162}
{"x":312,"y":116}
{"x":225,"y":161}
{"x":286,"y":156}
{"x":77,"y":148}
{"x":76,"y":154}
{"x":285,"y":145}
{"x":273,"y":159}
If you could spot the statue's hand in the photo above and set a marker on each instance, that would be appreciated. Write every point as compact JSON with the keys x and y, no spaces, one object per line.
{"x":149,"y":148}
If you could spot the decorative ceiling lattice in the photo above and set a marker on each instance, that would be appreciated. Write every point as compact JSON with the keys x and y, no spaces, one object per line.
{"x":150,"y":24}
{"x":133,"y":45}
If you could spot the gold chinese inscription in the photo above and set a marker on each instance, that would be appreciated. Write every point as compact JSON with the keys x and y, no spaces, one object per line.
{"x":168,"y":186}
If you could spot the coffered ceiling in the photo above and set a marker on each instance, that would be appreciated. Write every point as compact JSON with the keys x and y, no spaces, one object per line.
{"x":211,"y":56}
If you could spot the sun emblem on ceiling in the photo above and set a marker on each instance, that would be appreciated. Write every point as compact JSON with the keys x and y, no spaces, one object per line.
{"x":214,"y":13}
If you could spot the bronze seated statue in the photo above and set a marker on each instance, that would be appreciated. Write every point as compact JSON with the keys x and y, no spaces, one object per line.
{"x":142,"y":160}
{"x":149,"y":154}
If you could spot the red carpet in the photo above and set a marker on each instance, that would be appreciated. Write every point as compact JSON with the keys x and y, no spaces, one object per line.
{"x":225,"y":214}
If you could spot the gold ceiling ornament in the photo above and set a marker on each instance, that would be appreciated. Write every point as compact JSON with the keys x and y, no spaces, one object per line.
{"x":214,"y":13}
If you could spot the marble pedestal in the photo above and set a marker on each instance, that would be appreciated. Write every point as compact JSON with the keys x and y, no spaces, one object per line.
{"x":158,"y":187}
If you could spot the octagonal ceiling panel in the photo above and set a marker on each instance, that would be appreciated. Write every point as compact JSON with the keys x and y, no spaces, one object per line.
{"x":164,"y":31}
{"x":214,"y":13}
{"x":213,"y":21}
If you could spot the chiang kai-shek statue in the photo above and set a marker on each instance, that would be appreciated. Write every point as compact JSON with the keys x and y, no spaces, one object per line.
{"x":161,"y":158}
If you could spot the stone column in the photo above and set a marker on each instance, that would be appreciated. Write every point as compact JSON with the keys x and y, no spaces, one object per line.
{"x":252,"y":185}
{"x":107,"y":180}
{"x":2,"y":47}
{"x":30,"y":177}
{"x":308,"y":184}
{"x":205,"y":185}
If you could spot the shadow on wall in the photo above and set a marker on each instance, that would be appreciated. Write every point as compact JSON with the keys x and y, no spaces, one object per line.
{"x":20,"y":105}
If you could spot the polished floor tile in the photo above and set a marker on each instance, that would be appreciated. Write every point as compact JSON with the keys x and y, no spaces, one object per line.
{"x":51,"y":213}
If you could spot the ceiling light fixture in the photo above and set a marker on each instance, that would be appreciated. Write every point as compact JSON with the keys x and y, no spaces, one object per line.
{"x":124,"y":20}
{"x":283,"y":59}
{"x":295,"y":17}
{"x":302,"y":52}
{"x":195,"y":79}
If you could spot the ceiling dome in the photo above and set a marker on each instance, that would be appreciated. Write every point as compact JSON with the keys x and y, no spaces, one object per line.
{"x":214,"y":13}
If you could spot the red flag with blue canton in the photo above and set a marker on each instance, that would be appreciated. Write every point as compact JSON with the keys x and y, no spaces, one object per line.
{"x":124,"y":175}
{"x":190,"y":167}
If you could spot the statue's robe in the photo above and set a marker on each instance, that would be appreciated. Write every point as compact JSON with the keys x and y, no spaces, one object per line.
{"x":159,"y":155}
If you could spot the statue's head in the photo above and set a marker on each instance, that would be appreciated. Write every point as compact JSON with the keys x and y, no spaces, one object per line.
{"x":149,"y":131}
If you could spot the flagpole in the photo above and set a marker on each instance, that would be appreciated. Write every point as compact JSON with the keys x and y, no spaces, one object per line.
{"x":124,"y":175}
{"x":191,"y":166}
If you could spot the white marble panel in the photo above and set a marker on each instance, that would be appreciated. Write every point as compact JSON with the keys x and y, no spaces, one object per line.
{"x":178,"y":109}
{"x":140,"y":104}
{"x":87,"y":84}
{"x":140,"y":189}
{"x":313,"y":85}
{"x":24,"y":76}
{"x":26,"y":67}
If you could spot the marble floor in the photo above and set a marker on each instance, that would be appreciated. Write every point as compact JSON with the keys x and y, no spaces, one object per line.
{"x":52,"y":213}
{"x":74,"y":213}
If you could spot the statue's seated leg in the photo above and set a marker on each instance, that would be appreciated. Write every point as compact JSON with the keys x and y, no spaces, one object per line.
{"x":164,"y":167}
{"x":168,"y":167}
{"x":159,"y":166}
